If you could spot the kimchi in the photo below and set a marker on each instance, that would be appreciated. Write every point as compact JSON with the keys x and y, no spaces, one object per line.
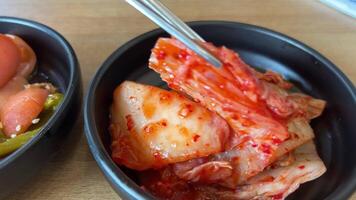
{"x":228,"y":133}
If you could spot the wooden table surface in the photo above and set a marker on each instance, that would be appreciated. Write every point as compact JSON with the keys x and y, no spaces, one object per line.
{"x":95,"y":28}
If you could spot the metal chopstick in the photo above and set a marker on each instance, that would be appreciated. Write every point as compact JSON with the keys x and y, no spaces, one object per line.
{"x":170,"y":17}
{"x":173,"y":30}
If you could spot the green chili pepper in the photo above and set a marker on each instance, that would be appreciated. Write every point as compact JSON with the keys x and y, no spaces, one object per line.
{"x":53,"y":101}
{"x":8,"y":145}
{"x":12,"y":144}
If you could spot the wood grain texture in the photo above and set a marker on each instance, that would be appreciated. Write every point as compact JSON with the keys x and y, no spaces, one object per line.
{"x":95,"y":28}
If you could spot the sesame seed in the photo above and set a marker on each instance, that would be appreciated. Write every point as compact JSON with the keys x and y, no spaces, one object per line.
{"x":1,"y":126}
{"x":18,"y":128}
{"x":13,"y":135}
{"x":35,"y":121}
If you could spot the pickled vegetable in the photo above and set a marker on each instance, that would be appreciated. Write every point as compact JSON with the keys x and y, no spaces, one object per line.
{"x":8,"y":145}
{"x":53,"y":101}
{"x":12,"y":144}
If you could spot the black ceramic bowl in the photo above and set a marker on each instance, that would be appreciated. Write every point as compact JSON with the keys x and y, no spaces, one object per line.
{"x":56,"y":63}
{"x":265,"y":49}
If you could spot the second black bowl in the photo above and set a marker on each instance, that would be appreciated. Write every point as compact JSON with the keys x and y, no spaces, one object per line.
{"x":259,"y":47}
{"x":56,"y":63}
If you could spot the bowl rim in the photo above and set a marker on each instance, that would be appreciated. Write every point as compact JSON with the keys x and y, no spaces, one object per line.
{"x":116,"y":177}
{"x":74,"y":80}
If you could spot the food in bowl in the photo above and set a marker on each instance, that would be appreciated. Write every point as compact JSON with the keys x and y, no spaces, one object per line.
{"x":225,"y":133}
{"x":24,"y":107}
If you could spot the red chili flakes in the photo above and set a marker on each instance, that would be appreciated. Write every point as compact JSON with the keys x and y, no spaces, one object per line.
{"x":165,"y":97}
{"x":182,"y":55}
{"x":172,"y":85}
{"x":153,"y":127}
{"x":149,"y":128}
{"x":254,"y":145}
{"x":163,"y":123}
{"x":301,"y":167}
{"x":276,"y":141}
{"x":235,"y":160}
{"x":161,"y":55}
{"x":196,"y":138}
{"x":277,"y":196}
{"x":241,"y":132}
{"x":247,"y":122}
{"x":185,"y":110}
{"x":157,"y":155}
{"x":129,"y":122}
{"x":265,"y":148}
{"x":235,"y":117}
